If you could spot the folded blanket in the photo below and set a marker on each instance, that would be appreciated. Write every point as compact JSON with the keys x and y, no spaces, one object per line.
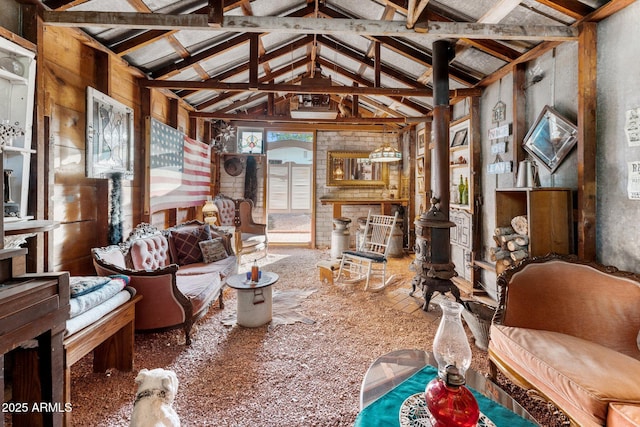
{"x":96,"y":313}
{"x":82,"y":303}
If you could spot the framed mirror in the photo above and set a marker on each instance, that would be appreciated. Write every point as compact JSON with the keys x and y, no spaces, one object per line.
{"x":353,"y":169}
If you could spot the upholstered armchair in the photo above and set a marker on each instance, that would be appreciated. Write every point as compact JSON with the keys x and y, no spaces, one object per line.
{"x":250,"y":237}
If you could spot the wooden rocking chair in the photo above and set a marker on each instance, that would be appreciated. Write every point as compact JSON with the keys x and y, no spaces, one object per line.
{"x":370,"y":259}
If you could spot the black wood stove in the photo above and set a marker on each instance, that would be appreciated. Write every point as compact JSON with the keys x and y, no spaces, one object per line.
{"x":432,"y":262}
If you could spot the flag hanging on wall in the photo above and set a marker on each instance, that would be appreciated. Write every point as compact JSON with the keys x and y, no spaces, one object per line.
{"x":180,"y":169}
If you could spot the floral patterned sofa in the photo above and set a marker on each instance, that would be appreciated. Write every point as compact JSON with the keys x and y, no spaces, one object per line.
{"x":179,"y":272}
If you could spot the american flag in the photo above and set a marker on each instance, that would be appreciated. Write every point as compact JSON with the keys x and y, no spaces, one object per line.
{"x":180,"y":169}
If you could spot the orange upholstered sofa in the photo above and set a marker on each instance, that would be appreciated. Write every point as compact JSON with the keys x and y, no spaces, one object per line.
{"x":569,"y":331}
{"x":173,"y":270}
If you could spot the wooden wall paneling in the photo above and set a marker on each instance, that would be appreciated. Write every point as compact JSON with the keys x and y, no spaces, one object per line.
{"x":69,"y":93}
{"x":159,"y":106}
{"x":73,"y":253}
{"x":66,"y":51}
{"x":587,"y":102}
{"x":77,"y":202}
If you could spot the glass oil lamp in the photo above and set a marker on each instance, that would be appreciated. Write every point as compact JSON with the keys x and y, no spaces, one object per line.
{"x":449,"y":401}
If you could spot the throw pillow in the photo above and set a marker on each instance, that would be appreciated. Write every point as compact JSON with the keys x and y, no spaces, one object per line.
{"x":186,"y":244}
{"x":213,"y":250}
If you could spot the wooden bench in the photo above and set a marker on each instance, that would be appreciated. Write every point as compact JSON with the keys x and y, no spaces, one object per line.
{"x":111,"y":339}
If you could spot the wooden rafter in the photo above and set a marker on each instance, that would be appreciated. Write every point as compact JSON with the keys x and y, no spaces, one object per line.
{"x":292,"y":25}
{"x":573,"y":8}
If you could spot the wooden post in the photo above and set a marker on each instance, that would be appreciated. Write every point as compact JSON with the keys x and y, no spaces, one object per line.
{"x":587,"y":62}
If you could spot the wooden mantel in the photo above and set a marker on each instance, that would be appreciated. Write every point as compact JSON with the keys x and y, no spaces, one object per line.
{"x":385,"y":204}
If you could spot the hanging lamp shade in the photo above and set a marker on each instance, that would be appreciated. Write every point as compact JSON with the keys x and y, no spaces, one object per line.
{"x":385,"y":153}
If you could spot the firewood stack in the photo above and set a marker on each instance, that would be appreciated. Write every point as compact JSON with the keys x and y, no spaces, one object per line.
{"x":512,"y":243}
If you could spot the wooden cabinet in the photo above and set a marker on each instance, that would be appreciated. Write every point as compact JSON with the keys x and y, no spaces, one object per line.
{"x":17,"y":86}
{"x":32,"y":308}
{"x":548,"y":212}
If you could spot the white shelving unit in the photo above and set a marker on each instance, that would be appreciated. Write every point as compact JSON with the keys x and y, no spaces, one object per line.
{"x":460,"y":159}
{"x":17,"y":89}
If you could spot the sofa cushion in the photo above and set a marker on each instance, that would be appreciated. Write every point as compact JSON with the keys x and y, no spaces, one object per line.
{"x":621,"y":415}
{"x":224,"y":267}
{"x":573,"y":372}
{"x":186,"y":243}
{"x":150,"y":253}
{"x":201,"y":289}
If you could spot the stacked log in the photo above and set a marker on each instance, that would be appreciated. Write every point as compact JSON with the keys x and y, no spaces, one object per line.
{"x":512,"y":243}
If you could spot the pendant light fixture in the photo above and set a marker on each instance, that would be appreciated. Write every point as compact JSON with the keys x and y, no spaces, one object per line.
{"x":386,"y":152}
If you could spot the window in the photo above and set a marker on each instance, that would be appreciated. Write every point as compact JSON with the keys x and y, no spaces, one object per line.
{"x":250,"y":141}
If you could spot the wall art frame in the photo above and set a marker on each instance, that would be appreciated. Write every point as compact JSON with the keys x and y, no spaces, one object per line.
{"x":460,"y":138}
{"x":551,"y":138}
{"x":109,"y":137}
{"x":421,"y":142}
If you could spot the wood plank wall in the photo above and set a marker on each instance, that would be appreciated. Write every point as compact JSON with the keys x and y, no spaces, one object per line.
{"x":81,"y":205}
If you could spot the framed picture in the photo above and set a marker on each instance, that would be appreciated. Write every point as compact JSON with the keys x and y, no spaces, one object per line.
{"x":460,"y":138}
{"x":420,"y":166}
{"x":550,"y":138}
{"x":109,"y":133}
{"x":421,"y":143}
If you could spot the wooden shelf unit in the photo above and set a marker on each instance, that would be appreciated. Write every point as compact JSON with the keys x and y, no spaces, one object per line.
{"x":549,"y":216}
{"x":457,"y":169}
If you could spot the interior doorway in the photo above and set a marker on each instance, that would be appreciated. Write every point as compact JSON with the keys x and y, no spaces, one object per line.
{"x":290,"y":187}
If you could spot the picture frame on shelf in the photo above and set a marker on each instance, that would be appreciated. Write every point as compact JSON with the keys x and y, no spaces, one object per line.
{"x":109,"y":133}
{"x":421,"y":142}
{"x":551,"y":138}
{"x":460,"y":138}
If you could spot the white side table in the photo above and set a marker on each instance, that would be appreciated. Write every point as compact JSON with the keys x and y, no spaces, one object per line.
{"x":255,"y":299}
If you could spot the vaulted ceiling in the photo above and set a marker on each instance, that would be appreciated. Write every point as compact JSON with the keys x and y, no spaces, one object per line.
{"x":243,"y":60}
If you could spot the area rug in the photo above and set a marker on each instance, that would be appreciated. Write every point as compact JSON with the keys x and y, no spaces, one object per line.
{"x":285,"y":307}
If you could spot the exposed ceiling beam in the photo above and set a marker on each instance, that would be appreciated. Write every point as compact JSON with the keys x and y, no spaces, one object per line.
{"x":287,"y":119}
{"x":291,"y":25}
{"x":269,"y":87}
{"x":288,"y":88}
{"x":414,"y":11}
{"x":573,"y":8}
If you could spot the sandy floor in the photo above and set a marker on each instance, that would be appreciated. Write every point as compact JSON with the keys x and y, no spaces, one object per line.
{"x":285,"y":375}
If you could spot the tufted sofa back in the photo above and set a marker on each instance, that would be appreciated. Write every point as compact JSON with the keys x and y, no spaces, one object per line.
{"x":150,"y":253}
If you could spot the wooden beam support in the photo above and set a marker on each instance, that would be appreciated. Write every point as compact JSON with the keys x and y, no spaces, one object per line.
{"x":288,"y":119}
{"x":216,"y":13}
{"x":519,"y":116}
{"x":253,"y":61}
{"x":377,"y":63}
{"x":587,"y":76}
{"x":295,"y":25}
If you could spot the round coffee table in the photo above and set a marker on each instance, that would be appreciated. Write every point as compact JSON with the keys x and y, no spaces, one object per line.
{"x":254,"y":298}
{"x":391,"y":369}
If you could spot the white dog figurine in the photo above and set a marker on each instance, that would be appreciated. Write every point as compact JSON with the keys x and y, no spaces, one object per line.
{"x":153,"y":405}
